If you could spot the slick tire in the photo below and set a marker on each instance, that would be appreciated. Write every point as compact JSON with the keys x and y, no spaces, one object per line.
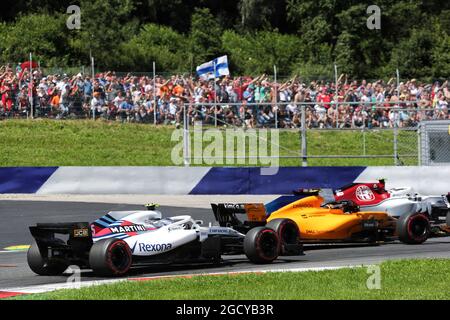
{"x":110,"y":257}
{"x":41,"y":265}
{"x":413,"y":228}
{"x":289,"y":234}
{"x":261,"y":245}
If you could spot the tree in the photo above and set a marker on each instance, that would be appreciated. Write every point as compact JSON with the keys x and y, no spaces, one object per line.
{"x":440,"y":54}
{"x":204,"y":38}
{"x":105,"y":24}
{"x":43,"y":35}
{"x":413,"y":55}
{"x":258,"y":52}
{"x":155,"y":43}
{"x":259,"y":14}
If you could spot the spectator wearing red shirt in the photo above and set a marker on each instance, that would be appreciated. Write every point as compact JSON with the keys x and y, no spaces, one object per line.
{"x":6,"y":93}
{"x":324,"y":99}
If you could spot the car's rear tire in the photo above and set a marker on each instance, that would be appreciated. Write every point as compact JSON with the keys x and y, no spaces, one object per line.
{"x":289,"y":234}
{"x":110,"y":257}
{"x":40,"y":264}
{"x":413,"y":228}
{"x":261,"y":245}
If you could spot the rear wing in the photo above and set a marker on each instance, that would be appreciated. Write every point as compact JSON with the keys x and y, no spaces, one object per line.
{"x":226,"y":215}
{"x":80,"y":235}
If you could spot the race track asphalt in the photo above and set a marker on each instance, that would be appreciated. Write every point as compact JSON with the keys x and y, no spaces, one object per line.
{"x":17,"y":216}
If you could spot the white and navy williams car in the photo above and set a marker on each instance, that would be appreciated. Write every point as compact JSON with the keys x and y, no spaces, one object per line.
{"x":114,"y":243}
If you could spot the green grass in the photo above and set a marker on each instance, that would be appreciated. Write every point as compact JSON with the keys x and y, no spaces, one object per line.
{"x":82,"y":143}
{"x":407,"y":279}
{"x":100,"y":143}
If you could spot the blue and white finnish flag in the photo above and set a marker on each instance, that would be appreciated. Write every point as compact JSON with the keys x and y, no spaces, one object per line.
{"x":206,"y":70}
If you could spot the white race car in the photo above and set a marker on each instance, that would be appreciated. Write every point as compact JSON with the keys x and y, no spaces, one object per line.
{"x":121,"y":239}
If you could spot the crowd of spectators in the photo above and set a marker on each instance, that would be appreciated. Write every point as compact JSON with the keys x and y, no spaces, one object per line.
{"x":238,"y":101}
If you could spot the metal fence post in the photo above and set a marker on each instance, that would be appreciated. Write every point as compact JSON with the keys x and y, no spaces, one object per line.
{"x":215,"y":115}
{"x":276,"y":95}
{"x":396,"y":141}
{"x":154,"y":92}
{"x":186,"y":137}
{"x":31,"y":86}
{"x":364,"y":141}
{"x":276,"y":119}
{"x":419,"y":147}
{"x":215,"y":96}
{"x":303,"y":138}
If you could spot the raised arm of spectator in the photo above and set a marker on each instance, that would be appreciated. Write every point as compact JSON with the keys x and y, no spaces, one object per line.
{"x":166,"y":83}
{"x":446,"y":91}
{"x":286,"y":84}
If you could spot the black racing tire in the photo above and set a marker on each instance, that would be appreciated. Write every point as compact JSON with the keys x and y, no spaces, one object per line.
{"x":413,"y":228}
{"x":110,"y":257}
{"x":288,"y":232}
{"x":261,"y":245}
{"x":41,"y":265}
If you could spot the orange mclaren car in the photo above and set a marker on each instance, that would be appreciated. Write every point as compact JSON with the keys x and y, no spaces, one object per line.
{"x":311,"y":220}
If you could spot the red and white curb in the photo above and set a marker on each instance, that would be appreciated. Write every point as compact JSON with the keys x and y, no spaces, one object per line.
{"x":12,"y":292}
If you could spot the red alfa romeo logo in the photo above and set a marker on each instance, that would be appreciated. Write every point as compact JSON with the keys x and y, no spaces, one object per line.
{"x":363,"y":193}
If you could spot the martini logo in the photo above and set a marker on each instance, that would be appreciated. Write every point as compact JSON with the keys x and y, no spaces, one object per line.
{"x":363,"y":193}
{"x":132,"y":228}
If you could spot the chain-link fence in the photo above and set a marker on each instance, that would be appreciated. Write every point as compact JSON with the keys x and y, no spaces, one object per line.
{"x":310,"y":133}
{"x":435,"y":142}
{"x":360,"y":137}
{"x":347,"y":129}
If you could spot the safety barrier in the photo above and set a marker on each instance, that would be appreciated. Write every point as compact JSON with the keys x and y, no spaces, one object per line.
{"x":211,"y":180}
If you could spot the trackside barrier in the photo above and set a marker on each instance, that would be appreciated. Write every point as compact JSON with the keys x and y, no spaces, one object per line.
{"x":211,"y":180}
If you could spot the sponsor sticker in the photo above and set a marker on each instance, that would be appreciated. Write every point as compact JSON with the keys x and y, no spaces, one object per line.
{"x":124,"y":229}
{"x":363,"y":193}
{"x":81,"y":233}
{"x":151,"y":247}
{"x":302,"y":205}
{"x":233,"y":206}
{"x":218,"y":230}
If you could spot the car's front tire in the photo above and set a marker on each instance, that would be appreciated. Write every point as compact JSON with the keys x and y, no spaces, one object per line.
{"x":413,"y":228}
{"x":110,"y":257}
{"x":261,"y":245}
{"x":41,"y":265}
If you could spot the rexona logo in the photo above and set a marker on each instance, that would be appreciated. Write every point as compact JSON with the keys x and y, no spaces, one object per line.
{"x":145,"y":247}
{"x":132,"y":228}
{"x":363,"y":193}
